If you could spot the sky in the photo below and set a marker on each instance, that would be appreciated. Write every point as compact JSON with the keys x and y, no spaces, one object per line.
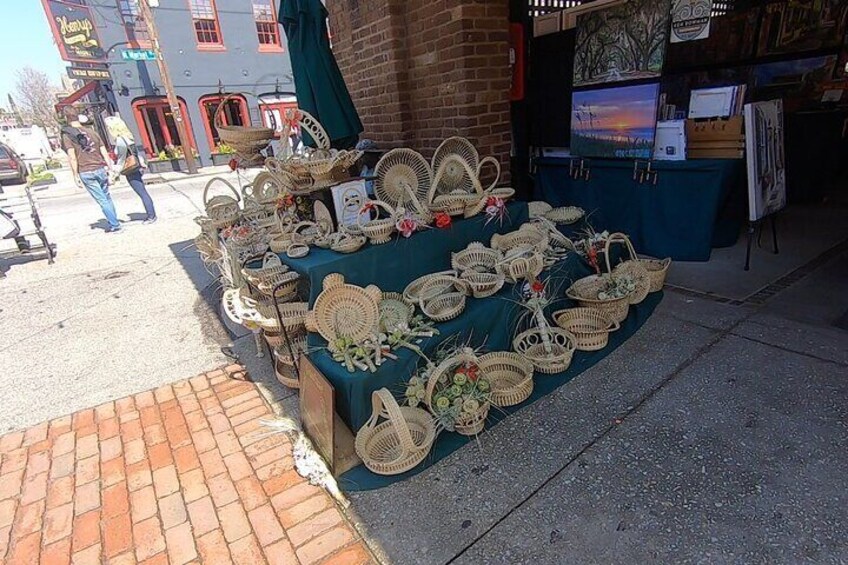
{"x":622,"y":108}
{"x":26,"y":40}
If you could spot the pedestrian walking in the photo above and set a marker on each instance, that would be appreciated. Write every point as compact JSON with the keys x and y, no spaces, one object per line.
{"x":88,"y":158}
{"x":130,"y":163}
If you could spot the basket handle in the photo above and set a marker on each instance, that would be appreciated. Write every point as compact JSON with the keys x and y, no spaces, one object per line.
{"x":617,"y":237}
{"x":452,"y":361}
{"x":497,"y":165}
{"x":213,"y":181}
{"x":223,"y":103}
{"x":384,"y":405}
{"x":441,"y":172}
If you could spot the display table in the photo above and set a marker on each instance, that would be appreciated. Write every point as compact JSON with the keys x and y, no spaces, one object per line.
{"x":394,"y":265}
{"x":694,"y":206}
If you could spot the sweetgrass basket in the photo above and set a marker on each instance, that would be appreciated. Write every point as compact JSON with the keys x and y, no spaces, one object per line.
{"x":510,"y":375}
{"x":395,"y":311}
{"x":538,"y":208}
{"x":222,"y":210}
{"x":455,"y":177}
{"x":475,"y":257}
{"x":285,"y":365}
{"x":524,"y":266}
{"x":379,"y":230}
{"x":632,"y":267}
{"x":565,"y":215}
{"x":403,"y":179}
{"x":585,"y":293}
{"x":470,"y":425}
{"x":550,"y":353}
{"x":442,"y":307}
{"x":282,"y":286}
{"x":526,"y":235}
{"x":394,"y":439}
{"x":483,"y":285}
{"x":247,"y":141}
{"x":589,"y":326}
{"x":656,"y":268}
{"x":345,"y":310}
{"x":412,"y":292}
{"x":349,"y":244}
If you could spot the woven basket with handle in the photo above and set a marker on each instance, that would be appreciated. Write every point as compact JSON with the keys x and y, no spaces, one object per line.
{"x":550,"y":353}
{"x":394,"y":439}
{"x":379,"y":230}
{"x":222,"y":210}
{"x":585,"y":293}
{"x":472,"y":424}
{"x":247,"y":141}
{"x":656,"y":268}
{"x":631,"y":267}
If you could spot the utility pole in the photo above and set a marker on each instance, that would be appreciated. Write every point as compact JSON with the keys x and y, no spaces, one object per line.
{"x":173,"y":101}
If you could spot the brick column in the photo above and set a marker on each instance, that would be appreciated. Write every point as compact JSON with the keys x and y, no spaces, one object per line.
{"x":420,"y":71}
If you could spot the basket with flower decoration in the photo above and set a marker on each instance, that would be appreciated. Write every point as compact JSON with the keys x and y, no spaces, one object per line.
{"x":608,"y":293}
{"x":378,"y":230}
{"x":458,"y":393}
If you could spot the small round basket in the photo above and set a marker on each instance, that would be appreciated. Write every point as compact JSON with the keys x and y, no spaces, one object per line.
{"x":590,"y":327}
{"x":452,"y":205}
{"x":395,"y":311}
{"x":510,"y":375}
{"x":483,"y":285}
{"x":585,"y":293}
{"x":476,"y":257}
{"x":555,"y":357}
{"x":443,"y":307}
{"x":520,"y":268}
{"x":222,"y":210}
{"x":287,"y":282}
{"x":380,"y":230}
{"x":538,"y":208}
{"x":280,"y":243}
{"x":412,"y":292}
{"x":526,"y":235}
{"x":394,"y":439}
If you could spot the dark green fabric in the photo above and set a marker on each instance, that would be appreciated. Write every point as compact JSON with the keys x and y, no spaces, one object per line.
{"x":319,"y":85}
{"x":675,"y":218}
{"x":360,"y":478}
{"x":393,"y":265}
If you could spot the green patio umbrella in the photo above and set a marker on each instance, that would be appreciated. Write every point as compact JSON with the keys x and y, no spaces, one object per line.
{"x":320,"y":88}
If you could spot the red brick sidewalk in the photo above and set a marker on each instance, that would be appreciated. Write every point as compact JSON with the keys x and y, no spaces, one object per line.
{"x":175,"y":475}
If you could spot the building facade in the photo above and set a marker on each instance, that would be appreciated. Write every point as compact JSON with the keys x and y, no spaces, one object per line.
{"x":212,"y":48}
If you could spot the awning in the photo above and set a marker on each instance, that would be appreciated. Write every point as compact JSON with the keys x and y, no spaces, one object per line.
{"x":75,"y":96}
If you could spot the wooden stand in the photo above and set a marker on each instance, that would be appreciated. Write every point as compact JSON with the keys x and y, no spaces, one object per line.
{"x":332,"y":438}
{"x":757,"y":227}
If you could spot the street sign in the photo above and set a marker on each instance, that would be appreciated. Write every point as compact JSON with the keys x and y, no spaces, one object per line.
{"x":83,"y":73}
{"x":138,"y":55}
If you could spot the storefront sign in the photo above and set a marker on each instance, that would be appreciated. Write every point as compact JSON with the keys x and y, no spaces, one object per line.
{"x":690,"y":20}
{"x":138,"y":55}
{"x":74,"y":31}
{"x":83,"y":73}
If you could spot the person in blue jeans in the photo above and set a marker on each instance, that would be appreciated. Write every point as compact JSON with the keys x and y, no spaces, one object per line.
{"x":127,"y":153}
{"x":88,"y":158}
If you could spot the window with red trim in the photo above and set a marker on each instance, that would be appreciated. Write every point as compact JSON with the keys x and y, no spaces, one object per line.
{"x":234,"y":113}
{"x":204,"y":15}
{"x":273,"y":114}
{"x":157,"y":126}
{"x":266,"y":23}
{"x":134,"y":25}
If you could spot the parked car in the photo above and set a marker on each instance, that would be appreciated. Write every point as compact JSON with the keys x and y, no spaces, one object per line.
{"x":12,"y":168}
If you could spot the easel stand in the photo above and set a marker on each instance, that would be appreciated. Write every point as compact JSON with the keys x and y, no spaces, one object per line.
{"x":756,"y":227}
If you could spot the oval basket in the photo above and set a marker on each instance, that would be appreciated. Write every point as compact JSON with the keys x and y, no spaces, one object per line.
{"x":394,"y":439}
{"x":526,"y":235}
{"x":538,"y":208}
{"x":380,"y":230}
{"x":585,"y":293}
{"x":520,"y":268}
{"x":510,"y":375}
{"x":412,"y":291}
{"x":349,"y":244}
{"x":476,"y":257}
{"x":470,"y":425}
{"x":483,"y":285}
{"x":565,"y":215}
{"x":590,"y":327}
{"x":531,"y":345}
{"x":632,"y":267}
{"x":443,"y":307}
{"x":287,"y":282}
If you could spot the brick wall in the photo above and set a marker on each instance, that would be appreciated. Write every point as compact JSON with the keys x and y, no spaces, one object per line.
{"x":420,"y":71}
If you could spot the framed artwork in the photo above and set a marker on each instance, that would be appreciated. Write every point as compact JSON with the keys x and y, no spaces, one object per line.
{"x":732,"y":39}
{"x":348,"y":199}
{"x":800,"y":82}
{"x":670,"y":143}
{"x":624,"y":42}
{"x":802,"y":25}
{"x":765,"y":159}
{"x":615,"y":122}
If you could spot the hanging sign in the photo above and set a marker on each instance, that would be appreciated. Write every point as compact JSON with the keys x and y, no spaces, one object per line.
{"x":690,"y":20}
{"x":74,"y":31}
{"x":84,"y":73}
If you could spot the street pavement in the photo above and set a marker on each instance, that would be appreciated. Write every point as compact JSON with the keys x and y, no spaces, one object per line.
{"x":116,"y":314}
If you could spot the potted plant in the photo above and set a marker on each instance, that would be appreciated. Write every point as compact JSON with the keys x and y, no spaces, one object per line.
{"x":169,"y":160}
{"x":223,"y":154}
{"x":40,"y":177}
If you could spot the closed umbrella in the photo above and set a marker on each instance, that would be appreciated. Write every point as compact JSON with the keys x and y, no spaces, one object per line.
{"x":320,"y":88}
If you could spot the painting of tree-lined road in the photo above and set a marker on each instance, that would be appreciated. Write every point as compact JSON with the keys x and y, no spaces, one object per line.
{"x":625,"y":42}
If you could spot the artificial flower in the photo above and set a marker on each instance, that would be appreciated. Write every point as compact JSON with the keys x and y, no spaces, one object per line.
{"x":495,"y":209}
{"x":460,"y":379}
{"x":483,"y":385}
{"x":443,"y":403}
{"x":537,"y":286}
{"x":407,"y":226}
{"x":470,"y":406}
{"x":443,"y":220}
{"x":454,"y":390}
{"x":233,"y":164}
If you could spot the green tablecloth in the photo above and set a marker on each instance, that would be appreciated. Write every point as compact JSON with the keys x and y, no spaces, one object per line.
{"x":394,"y":265}
{"x":694,"y":206}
